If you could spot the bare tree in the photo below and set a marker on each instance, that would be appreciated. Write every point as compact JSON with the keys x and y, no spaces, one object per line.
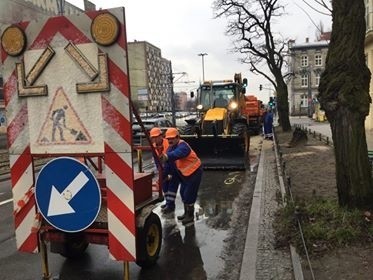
{"x":250,"y":22}
{"x":320,"y":6}
{"x":344,"y":95}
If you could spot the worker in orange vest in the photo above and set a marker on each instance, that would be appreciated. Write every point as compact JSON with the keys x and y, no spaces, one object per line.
{"x":170,"y":181}
{"x":189,"y":171}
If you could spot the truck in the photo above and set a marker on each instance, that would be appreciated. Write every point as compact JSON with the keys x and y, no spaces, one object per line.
{"x":219,"y":132}
{"x":254,"y":110}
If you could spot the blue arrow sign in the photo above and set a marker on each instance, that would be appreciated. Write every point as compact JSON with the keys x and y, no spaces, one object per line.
{"x":68,"y":194}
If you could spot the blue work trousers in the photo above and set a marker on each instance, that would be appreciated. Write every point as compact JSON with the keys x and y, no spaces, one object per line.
{"x":189,"y":187}
{"x":169,"y":189}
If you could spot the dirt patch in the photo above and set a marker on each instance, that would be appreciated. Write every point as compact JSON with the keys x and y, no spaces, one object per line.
{"x":310,"y":169}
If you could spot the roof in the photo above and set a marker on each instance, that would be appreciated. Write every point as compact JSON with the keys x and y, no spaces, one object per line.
{"x":311,"y":45}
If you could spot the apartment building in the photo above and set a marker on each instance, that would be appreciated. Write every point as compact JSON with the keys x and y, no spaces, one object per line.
{"x":306,"y":63}
{"x":150,"y":77}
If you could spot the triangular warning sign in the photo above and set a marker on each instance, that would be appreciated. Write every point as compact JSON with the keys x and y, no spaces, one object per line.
{"x":62,"y":124}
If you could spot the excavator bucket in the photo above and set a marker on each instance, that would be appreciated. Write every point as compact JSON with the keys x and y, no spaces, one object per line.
{"x":221,"y":152}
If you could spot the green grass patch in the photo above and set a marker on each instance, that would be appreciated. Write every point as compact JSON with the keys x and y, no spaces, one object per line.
{"x":325,"y":226}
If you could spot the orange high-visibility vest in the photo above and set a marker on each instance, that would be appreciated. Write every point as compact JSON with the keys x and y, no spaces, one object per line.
{"x":162,"y":148}
{"x":189,"y":164}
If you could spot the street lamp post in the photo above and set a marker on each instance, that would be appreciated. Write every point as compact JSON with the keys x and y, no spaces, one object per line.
{"x":203,"y":65}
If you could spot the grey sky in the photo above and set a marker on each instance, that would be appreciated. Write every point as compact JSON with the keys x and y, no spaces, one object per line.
{"x":182,"y":29}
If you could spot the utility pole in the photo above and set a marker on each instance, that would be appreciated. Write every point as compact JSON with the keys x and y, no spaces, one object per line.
{"x":203,"y":65}
{"x":172,"y":99}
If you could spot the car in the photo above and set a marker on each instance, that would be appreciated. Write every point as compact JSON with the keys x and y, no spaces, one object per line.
{"x":149,"y":123}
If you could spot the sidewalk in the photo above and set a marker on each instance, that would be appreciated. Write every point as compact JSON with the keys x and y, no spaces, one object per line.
{"x":261,"y":260}
{"x":324,"y":128}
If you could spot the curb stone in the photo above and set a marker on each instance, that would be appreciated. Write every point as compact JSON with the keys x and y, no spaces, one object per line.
{"x":261,"y":260}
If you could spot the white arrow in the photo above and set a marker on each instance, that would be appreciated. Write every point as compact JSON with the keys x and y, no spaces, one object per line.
{"x":59,"y":202}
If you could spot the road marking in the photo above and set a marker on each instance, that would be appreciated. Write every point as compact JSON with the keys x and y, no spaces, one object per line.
{"x":6,"y":201}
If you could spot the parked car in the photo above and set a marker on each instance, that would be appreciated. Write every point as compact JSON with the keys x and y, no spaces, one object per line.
{"x":138,"y":133}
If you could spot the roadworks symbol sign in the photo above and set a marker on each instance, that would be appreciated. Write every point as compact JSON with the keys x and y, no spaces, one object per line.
{"x":62,"y":124}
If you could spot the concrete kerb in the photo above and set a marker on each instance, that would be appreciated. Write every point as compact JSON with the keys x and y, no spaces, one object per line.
{"x":249,"y":259}
{"x":248,"y":266}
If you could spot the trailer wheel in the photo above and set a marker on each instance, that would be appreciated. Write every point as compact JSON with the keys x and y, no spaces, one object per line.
{"x":74,"y":247}
{"x":149,"y":241}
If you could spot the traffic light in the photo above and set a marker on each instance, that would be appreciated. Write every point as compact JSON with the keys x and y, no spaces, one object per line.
{"x":244,"y":83}
{"x":271,"y":102}
{"x":260,"y":87}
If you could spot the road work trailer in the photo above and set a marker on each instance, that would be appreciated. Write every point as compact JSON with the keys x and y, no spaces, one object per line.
{"x":67,"y":97}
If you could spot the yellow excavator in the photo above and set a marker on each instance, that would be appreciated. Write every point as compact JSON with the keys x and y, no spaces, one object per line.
{"x":219,"y":132}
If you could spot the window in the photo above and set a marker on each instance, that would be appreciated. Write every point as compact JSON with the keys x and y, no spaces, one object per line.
{"x":304,"y":101}
{"x":304,"y":60}
{"x":317,"y":79}
{"x":304,"y":80}
{"x":318,"y":60}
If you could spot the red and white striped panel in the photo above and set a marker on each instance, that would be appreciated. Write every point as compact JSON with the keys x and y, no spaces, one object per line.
{"x":116,"y":119}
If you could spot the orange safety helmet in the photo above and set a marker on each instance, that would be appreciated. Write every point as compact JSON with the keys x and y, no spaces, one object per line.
{"x":172,"y":132}
{"x":155,"y":132}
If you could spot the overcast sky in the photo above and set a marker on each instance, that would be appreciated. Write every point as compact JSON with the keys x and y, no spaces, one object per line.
{"x":184,"y":28}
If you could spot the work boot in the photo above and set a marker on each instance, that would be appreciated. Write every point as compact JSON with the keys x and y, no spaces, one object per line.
{"x":189,"y":217}
{"x":181,"y":217}
{"x":168,"y":209}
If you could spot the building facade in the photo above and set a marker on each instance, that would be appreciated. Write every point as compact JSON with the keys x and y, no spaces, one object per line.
{"x":150,"y":77}
{"x":306,"y":63}
{"x":181,"y":99}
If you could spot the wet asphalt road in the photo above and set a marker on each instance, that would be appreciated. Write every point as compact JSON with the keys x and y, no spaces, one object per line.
{"x":191,"y":252}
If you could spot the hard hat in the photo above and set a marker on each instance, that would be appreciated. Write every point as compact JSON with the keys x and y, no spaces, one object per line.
{"x":171,"y":132}
{"x":155,"y":132}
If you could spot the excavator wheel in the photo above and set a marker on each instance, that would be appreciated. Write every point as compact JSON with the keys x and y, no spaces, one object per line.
{"x":241,"y":130}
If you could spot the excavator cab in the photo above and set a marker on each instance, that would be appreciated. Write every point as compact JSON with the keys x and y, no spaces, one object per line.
{"x":219,"y":133}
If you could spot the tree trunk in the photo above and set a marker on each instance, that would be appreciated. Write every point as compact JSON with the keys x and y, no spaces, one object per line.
{"x":283,"y":105}
{"x":352,"y":166}
{"x":344,"y":95}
